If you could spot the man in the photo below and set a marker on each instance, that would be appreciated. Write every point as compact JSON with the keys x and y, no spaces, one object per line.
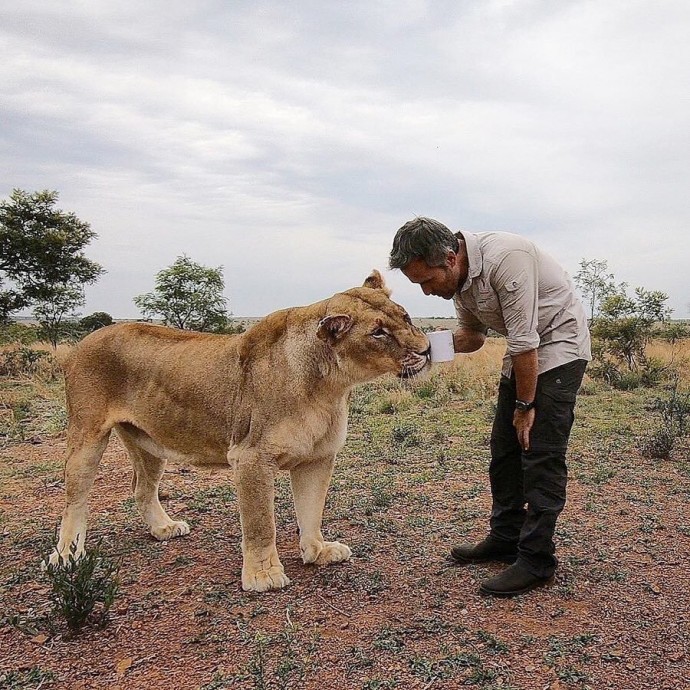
{"x":505,"y":282}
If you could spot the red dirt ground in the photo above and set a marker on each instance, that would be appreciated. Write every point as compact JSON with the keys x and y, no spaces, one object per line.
{"x":396,"y":615}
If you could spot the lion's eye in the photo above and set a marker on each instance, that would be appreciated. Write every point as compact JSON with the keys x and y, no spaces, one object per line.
{"x":379,"y":332}
{"x":407,"y":319}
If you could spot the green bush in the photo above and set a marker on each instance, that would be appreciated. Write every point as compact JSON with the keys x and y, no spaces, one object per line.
{"x":18,"y":333}
{"x":658,"y":444}
{"x":22,"y":361}
{"x":649,"y":374}
{"x":233,"y":328}
{"x":83,"y":589}
{"x":92,"y":322}
{"x":674,"y":410}
{"x":405,"y":435}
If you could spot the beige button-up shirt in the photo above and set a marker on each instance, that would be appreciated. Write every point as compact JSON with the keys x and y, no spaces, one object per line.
{"x":521,"y":292}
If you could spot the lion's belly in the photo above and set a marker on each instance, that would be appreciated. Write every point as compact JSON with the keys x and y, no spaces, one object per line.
{"x":177,"y":454}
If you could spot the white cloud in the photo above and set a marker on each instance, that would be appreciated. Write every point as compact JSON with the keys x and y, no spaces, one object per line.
{"x":288,"y":142}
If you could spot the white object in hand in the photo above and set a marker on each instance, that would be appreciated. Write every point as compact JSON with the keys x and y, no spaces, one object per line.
{"x":442,"y":349}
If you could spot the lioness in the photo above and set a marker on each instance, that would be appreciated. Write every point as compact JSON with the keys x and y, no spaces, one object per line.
{"x":273,"y":398}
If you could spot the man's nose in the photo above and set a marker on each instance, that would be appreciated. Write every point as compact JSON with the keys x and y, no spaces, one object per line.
{"x":426,"y":289}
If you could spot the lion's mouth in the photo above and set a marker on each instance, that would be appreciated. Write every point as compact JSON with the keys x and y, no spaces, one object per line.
{"x":414,"y":364}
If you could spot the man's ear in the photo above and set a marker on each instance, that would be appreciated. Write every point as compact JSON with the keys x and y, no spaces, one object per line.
{"x":375,"y":280}
{"x":451,"y":259}
{"x":333,"y":328}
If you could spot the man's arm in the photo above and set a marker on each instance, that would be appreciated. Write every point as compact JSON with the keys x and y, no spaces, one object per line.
{"x":526,"y":368}
{"x":467,"y":339}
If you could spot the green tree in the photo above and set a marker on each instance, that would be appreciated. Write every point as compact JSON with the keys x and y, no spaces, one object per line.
{"x":55,"y":314}
{"x":94,"y":321}
{"x":41,"y":252}
{"x":594,"y":282}
{"x":626,"y":324}
{"x":187,"y":295}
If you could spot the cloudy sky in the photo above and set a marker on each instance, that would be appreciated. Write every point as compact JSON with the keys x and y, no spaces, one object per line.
{"x":287,"y":141}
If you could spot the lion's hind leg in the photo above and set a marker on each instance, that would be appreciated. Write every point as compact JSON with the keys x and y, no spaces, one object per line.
{"x":148,"y":470}
{"x":310,"y":482}
{"x":84,"y":453}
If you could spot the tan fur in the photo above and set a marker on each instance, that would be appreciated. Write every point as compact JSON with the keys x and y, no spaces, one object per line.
{"x":273,"y":398}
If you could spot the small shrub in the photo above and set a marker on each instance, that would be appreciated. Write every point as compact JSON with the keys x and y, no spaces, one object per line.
{"x":233,"y":328}
{"x":405,"y":435}
{"x":674,"y":410}
{"x":21,"y":361}
{"x":606,"y":371}
{"x":658,"y":444}
{"x":629,"y":381}
{"x":654,"y":372}
{"x":426,"y":389}
{"x":84,"y":589}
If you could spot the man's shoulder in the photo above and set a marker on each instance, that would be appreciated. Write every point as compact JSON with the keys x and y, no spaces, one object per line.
{"x":499,"y":239}
{"x":496,"y":246}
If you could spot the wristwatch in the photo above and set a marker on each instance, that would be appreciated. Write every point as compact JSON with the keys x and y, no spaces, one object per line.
{"x":524,"y":406}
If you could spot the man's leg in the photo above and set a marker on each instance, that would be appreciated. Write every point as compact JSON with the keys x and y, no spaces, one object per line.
{"x":544,"y":481}
{"x":505,"y":471}
{"x":505,"y":474}
{"x":545,"y":472}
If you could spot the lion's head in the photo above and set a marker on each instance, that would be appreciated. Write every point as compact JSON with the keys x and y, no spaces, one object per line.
{"x":372,"y":334}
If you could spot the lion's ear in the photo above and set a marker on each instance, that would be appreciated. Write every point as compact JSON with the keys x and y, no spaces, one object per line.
{"x":332,"y":328}
{"x":376,"y":281}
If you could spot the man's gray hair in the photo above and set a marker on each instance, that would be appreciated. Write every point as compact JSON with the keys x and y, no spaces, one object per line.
{"x":422,"y":238}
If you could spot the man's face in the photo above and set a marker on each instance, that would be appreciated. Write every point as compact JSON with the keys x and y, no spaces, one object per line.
{"x":440,"y":281}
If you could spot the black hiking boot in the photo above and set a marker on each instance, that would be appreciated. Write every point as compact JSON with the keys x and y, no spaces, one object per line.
{"x":490,"y":549}
{"x":512,"y":581}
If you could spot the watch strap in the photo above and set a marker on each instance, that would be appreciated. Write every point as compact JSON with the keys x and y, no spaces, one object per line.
{"x":524,"y":406}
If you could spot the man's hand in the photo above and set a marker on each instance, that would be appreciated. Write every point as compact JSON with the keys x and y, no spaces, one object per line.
{"x":523,"y":422}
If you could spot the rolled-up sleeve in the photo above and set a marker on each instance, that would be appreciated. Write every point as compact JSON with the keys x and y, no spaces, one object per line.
{"x":516,"y":282}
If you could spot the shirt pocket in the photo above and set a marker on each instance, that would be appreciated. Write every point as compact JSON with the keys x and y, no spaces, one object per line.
{"x":487,"y":301}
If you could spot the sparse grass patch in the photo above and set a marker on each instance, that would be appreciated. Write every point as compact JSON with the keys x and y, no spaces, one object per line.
{"x":390,"y":640}
{"x":405,"y":435}
{"x":214,"y":498}
{"x":277,"y":660}
{"x":394,"y":402}
{"x":563,"y":652}
{"x":31,"y":407}
{"x":30,"y":679}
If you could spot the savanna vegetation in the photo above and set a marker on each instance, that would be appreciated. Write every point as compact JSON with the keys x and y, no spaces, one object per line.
{"x":411,"y":481}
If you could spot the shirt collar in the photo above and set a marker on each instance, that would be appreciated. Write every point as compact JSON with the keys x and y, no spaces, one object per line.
{"x":474,"y":257}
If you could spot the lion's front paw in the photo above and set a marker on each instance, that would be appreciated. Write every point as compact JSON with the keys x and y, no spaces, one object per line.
{"x":322,"y":553}
{"x":333,"y":552}
{"x":58,"y":558}
{"x":174,"y":529}
{"x":264,"y":579}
